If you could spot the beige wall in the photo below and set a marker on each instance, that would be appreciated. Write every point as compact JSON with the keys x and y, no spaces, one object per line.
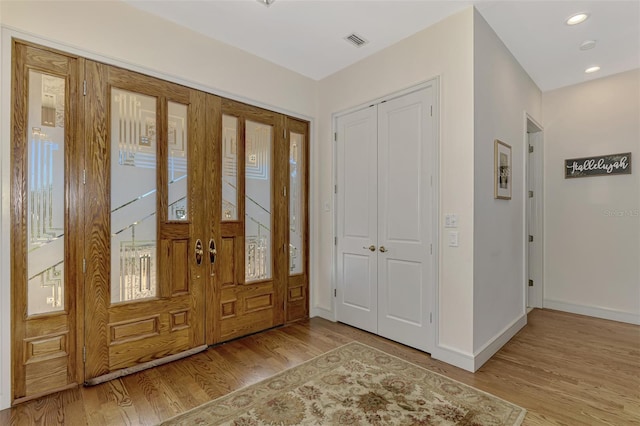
{"x":503,"y":92}
{"x":592,"y":225}
{"x":113,"y":29}
{"x":444,"y":50}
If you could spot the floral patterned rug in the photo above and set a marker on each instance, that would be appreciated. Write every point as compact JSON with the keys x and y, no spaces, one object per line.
{"x":355,"y":385}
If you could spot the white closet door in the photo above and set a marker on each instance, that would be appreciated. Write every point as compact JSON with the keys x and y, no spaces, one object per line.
{"x":357,"y":202}
{"x":405,"y":162}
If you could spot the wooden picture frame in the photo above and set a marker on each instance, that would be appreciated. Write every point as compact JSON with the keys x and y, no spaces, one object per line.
{"x":502,"y":177}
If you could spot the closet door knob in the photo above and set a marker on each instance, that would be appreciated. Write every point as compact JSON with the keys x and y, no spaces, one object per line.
{"x":383,"y":250}
{"x":371,"y":247}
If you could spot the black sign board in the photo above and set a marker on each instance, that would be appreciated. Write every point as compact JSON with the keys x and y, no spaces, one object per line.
{"x":603,"y":165}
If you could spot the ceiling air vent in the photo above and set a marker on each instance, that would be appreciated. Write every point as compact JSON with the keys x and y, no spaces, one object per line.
{"x":356,"y":40}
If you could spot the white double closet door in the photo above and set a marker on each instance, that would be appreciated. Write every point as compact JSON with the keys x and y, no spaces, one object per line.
{"x":385,"y":218}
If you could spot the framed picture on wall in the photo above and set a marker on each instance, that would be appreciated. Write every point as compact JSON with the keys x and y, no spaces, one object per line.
{"x":502,"y":170}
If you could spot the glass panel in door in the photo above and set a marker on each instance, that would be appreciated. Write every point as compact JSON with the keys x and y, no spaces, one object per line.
{"x":296,"y":203}
{"x":178,"y":162}
{"x":133,"y":196}
{"x":45,"y":194}
{"x":258,"y":141}
{"x":229,"y":168}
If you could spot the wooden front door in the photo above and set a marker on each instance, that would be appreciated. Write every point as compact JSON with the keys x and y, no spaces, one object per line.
{"x":248,"y":291}
{"x":146,"y":253}
{"x":149,"y":220}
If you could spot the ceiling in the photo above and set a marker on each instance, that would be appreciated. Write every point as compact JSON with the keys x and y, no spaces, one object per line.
{"x":308,"y":36}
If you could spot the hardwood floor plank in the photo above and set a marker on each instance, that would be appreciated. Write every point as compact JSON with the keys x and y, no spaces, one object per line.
{"x":564,"y":369}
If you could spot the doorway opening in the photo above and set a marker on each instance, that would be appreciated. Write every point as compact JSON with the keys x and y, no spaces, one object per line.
{"x":534,"y":138}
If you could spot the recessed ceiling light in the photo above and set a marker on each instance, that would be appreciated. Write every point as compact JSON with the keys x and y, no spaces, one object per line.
{"x":266,"y":2}
{"x":588,"y":44}
{"x":592,"y":69}
{"x":577,"y":18}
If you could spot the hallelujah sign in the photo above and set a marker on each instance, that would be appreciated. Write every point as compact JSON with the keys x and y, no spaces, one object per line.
{"x":603,"y":165}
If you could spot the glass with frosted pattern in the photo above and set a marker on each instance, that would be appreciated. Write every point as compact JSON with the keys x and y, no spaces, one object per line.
{"x":258,"y":140}
{"x":296,"y":192}
{"x":229,"y":167}
{"x":133,"y":196}
{"x":177,"y":166}
{"x":45,"y":194}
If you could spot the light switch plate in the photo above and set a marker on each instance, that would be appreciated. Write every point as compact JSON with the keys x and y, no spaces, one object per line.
{"x":451,"y":221}
{"x":453,"y":238}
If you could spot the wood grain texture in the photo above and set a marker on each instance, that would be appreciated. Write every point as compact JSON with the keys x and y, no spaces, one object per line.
{"x":34,"y":375}
{"x":565,"y":369}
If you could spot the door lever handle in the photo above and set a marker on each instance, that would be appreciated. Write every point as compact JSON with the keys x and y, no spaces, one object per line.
{"x":383,"y":250}
{"x":199,"y":251}
{"x":212,"y":251}
{"x":371,"y":248}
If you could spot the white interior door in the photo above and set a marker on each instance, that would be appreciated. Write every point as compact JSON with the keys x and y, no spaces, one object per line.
{"x":385,"y":158}
{"x":357,"y":293}
{"x":405,"y":141}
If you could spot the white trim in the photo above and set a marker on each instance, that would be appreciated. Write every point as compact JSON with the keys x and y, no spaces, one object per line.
{"x":323,"y":313}
{"x":593,"y":311}
{"x":498,"y":341}
{"x":538,"y":188}
{"x":472,"y":362}
{"x":454,"y":357}
{"x":5,"y":209}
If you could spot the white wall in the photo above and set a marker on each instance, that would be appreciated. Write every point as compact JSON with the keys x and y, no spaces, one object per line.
{"x":116,"y":33}
{"x":445,"y":50}
{"x":592,"y":225}
{"x":503,"y":91}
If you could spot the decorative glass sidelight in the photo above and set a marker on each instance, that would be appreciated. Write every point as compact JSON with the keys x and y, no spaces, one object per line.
{"x":229,"y":167}
{"x":45,"y":194}
{"x":296,"y":185}
{"x":133,"y":195}
{"x":177,"y":162}
{"x":258,"y":140}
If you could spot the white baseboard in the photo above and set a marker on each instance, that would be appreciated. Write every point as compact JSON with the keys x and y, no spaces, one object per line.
{"x":472,"y":362}
{"x":593,"y":311}
{"x":454,"y":357}
{"x":323,"y":313}
{"x":492,"y":346}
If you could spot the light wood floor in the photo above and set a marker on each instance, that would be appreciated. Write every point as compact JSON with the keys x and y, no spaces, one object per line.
{"x":564,"y":369}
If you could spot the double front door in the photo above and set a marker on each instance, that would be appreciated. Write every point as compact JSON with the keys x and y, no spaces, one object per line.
{"x":151,"y":220}
{"x":385,"y":218}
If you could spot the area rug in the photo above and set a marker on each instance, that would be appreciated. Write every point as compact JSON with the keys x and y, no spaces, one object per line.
{"x":355,"y":385}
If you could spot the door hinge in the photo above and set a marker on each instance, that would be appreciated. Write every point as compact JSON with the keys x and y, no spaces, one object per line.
{"x":530,"y":149}
{"x":84,"y":354}
{"x":530,"y":194}
{"x":84,"y":88}
{"x":430,"y":317}
{"x":430,"y":248}
{"x":335,"y":189}
{"x":431,"y":111}
{"x":84,"y":265}
{"x":431,"y":180}
{"x":530,"y":238}
{"x":335,"y":292}
{"x":84,"y":176}
{"x":284,"y":133}
{"x":284,"y":191}
{"x":335,"y":240}
{"x":530,"y":283}
{"x":335,"y":136}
